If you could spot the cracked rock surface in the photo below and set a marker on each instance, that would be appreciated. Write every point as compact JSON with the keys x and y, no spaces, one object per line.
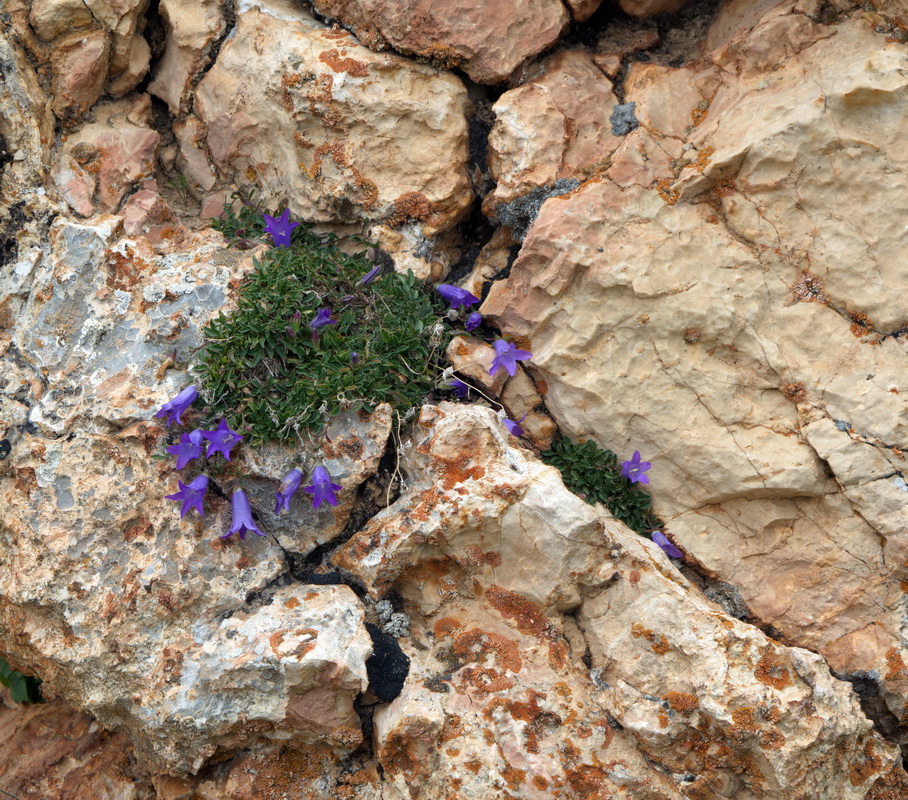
{"x":693,"y":217}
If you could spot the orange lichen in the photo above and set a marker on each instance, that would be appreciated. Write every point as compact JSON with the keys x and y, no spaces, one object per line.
{"x":681,"y":702}
{"x":860,"y":323}
{"x":663,"y":719}
{"x":335,"y":59}
{"x":810,"y":289}
{"x":589,"y":782}
{"x":771,"y":672}
{"x":514,"y":777}
{"x":445,"y":626}
{"x":658,"y":642}
{"x":742,"y":722}
{"x":772,"y":739}
{"x":864,"y":768}
{"x":453,"y":728}
{"x":703,"y":157}
{"x":725,"y":187}
{"x":540,"y":783}
{"x":692,"y":335}
{"x":666,"y":192}
{"x":456,"y":471}
{"x":699,"y":113}
{"x":527,"y":616}
{"x":291,"y":602}
{"x":896,"y":665}
{"x":796,"y":392}
{"x":411,"y":206}
{"x":475,"y":644}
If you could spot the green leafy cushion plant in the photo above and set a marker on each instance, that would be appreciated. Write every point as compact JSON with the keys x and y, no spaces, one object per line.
{"x":595,"y":475}
{"x":22,"y":688}
{"x":271,"y":374}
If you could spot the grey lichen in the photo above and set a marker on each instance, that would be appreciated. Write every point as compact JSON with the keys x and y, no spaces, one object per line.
{"x":519,"y":214}
{"x":623,"y":119}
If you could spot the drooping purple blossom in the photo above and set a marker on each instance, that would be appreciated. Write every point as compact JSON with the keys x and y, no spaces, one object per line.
{"x":514,"y":427}
{"x":460,"y":389}
{"x":287,"y":489}
{"x":662,"y":540}
{"x":371,"y":275}
{"x":173,"y":409}
{"x":354,"y":358}
{"x":190,"y":447}
{"x":221,"y":440}
{"x":242,"y":516}
{"x":456,"y":296}
{"x":191,"y":495}
{"x":322,"y":318}
{"x":507,"y":357}
{"x":473,"y":321}
{"x":635,"y":469}
{"x":321,"y":488}
{"x":280,"y":228}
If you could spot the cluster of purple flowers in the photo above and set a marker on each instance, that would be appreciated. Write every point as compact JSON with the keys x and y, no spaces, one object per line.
{"x":222,"y":440}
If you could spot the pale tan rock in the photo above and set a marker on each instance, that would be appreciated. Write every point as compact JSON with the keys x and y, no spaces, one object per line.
{"x":138,"y":57}
{"x":192,"y":160}
{"x":487,"y":39}
{"x":583,"y":9}
{"x":99,"y":163}
{"x":191,"y":30}
{"x":521,"y":399}
{"x":730,"y":326}
{"x":473,"y":358}
{"x":649,"y":8}
{"x":79,"y":65}
{"x":344,"y":135}
{"x":479,"y":543}
{"x":554,"y":126}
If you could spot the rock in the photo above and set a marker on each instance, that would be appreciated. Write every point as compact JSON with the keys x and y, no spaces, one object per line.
{"x":649,"y":8}
{"x":725,"y":323}
{"x":344,"y":135}
{"x":191,"y":31}
{"x":99,"y":164}
{"x":80,"y":69}
{"x":552,"y":127}
{"x":488,"y":546}
{"x":53,"y":18}
{"x":486,"y":39}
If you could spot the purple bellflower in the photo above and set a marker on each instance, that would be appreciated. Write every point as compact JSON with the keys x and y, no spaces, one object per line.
{"x":371,"y":275}
{"x":662,"y":540}
{"x":322,"y":318}
{"x":191,"y":495}
{"x":514,"y":427}
{"x":221,"y":440}
{"x":460,"y":389}
{"x":173,"y":409}
{"x":473,"y":321}
{"x":242,"y":516}
{"x":507,"y":357}
{"x":321,"y":487}
{"x":456,"y":296}
{"x":280,"y":228}
{"x":634,"y":469}
{"x":287,"y":489}
{"x":190,"y":447}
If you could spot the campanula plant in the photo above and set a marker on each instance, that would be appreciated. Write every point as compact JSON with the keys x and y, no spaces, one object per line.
{"x":596,"y":474}
{"x":315,"y":331}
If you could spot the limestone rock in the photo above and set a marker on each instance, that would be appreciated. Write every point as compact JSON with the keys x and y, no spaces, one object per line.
{"x":488,"y":545}
{"x":306,"y":114}
{"x":487,"y":39}
{"x":99,"y":163}
{"x":729,"y":325}
{"x":80,"y":70}
{"x":552,"y":127}
{"x":192,"y":29}
{"x":649,"y":8}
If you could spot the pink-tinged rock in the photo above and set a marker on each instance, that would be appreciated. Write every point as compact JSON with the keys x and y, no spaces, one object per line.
{"x":192,"y":160}
{"x":100,"y":162}
{"x":582,"y":10}
{"x":649,"y":8}
{"x":554,"y":126}
{"x":213,"y":204}
{"x":134,"y":69}
{"x":473,"y":359}
{"x":487,"y":39}
{"x":79,"y":64}
{"x":306,"y":114}
{"x":190,"y":31}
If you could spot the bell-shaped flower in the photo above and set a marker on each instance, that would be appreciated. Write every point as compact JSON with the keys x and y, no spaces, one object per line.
{"x":242,"y":516}
{"x":321,"y":488}
{"x":280,"y":228}
{"x":507,"y":357}
{"x":460,"y":389}
{"x":662,"y":540}
{"x":221,"y":440}
{"x":173,"y":409}
{"x":514,"y":427}
{"x":473,"y":321}
{"x":191,"y":495}
{"x":456,"y":296}
{"x":190,"y":447}
{"x":287,"y":489}
{"x":635,"y":469}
